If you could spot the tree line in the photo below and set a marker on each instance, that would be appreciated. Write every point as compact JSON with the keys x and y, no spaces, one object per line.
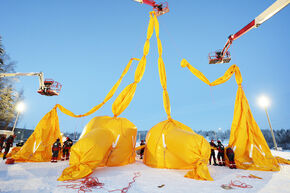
{"x":282,"y":136}
{"x":8,"y":95}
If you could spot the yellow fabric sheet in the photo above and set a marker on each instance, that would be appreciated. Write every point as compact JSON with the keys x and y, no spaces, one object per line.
{"x":251,"y":149}
{"x":161,"y":69}
{"x":37,"y":148}
{"x":126,"y":96}
{"x":108,"y":97}
{"x":106,"y":141}
{"x":282,"y":160}
{"x":171,"y":144}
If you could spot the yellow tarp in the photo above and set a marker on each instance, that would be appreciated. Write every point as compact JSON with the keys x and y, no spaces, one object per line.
{"x":106,"y":141}
{"x":251,"y":149}
{"x":13,"y":151}
{"x":171,"y":144}
{"x":185,"y":149}
{"x":281,"y":160}
{"x":37,"y":148}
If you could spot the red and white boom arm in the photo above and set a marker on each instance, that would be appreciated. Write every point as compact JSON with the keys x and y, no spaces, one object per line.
{"x":148,"y":2}
{"x":267,"y":14}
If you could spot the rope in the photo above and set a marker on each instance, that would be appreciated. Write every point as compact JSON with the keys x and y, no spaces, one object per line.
{"x":84,"y":185}
{"x":249,"y":176}
{"x":124,"y":190}
{"x":89,"y":183}
{"x":236,"y":183}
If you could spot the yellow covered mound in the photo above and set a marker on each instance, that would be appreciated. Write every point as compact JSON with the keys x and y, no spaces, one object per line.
{"x":37,"y":148}
{"x":106,"y":141}
{"x":171,"y":144}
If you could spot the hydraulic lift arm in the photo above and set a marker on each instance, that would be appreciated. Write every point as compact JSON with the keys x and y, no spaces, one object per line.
{"x":264,"y":16}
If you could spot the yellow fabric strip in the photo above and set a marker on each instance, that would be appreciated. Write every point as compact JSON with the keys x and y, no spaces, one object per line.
{"x":282,"y":160}
{"x":126,"y":96}
{"x":38,"y":146}
{"x":228,"y":74}
{"x":251,"y":149}
{"x":162,"y":72}
{"x":108,"y":97}
{"x":139,"y":147}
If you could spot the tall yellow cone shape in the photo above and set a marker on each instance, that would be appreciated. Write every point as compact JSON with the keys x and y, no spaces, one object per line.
{"x":251,"y":149}
{"x":37,"y":148}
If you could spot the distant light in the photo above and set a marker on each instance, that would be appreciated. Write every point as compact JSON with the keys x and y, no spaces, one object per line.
{"x":20,"y":107}
{"x":219,"y":129}
{"x":264,"y":101}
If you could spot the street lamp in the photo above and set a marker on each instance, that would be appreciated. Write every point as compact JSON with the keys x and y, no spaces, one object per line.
{"x":264,"y":102}
{"x":20,"y":106}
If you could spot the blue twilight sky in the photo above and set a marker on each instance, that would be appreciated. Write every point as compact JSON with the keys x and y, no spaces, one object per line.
{"x":85,"y":45}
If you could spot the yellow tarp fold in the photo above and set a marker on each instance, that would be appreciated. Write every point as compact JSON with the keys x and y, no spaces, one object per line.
{"x":105,"y":141}
{"x":171,"y":144}
{"x":281,"y":160}
{"x":246,"y":139}
{"x":37,"y":148}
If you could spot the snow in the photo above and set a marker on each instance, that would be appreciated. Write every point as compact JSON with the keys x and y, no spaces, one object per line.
{"x":42,"y":177}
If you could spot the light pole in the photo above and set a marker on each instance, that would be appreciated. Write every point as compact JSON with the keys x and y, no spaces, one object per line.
{"x":264,"y":102}
{"x":20,"y":106}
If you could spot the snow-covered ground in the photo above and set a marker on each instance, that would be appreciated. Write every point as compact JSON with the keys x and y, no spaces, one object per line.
{"x":42,"y":177}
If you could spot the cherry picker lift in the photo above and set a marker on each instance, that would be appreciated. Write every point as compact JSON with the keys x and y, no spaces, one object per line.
{"x":223,"y":56}
{"x":47,"y":87}
{"x":159,"y":9}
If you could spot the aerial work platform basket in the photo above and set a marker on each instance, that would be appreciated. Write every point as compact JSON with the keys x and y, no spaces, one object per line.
{"x":51,"y":88}
{"x":218,"y":57}
{"x":161,"y":8}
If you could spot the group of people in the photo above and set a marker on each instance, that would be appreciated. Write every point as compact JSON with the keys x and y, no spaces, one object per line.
{"x":6,"y":144}
{"x":221,"y":154}
{"x":56,"y":148}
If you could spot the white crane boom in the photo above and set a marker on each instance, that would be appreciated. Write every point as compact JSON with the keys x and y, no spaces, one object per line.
{"x":39,"y":74}
{"x":46,"y":87}
{"x":270,"y":11}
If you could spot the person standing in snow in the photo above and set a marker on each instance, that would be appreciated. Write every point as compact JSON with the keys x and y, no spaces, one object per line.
{"x":142,"y":150}
{"x":55,"y":150}
{"x":66,"y":149}
{"x":213,"y":147}
{"x":231,"y":155}
{"x":221,"y":154}
{"x":2,"y":139}
{"x":8,"y":144}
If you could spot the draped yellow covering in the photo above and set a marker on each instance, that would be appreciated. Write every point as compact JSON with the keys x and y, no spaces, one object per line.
{"x":37,"y":148}
{"x":251,"y":149}
{"x":171,"y":144}
{"x":106,"y":141}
